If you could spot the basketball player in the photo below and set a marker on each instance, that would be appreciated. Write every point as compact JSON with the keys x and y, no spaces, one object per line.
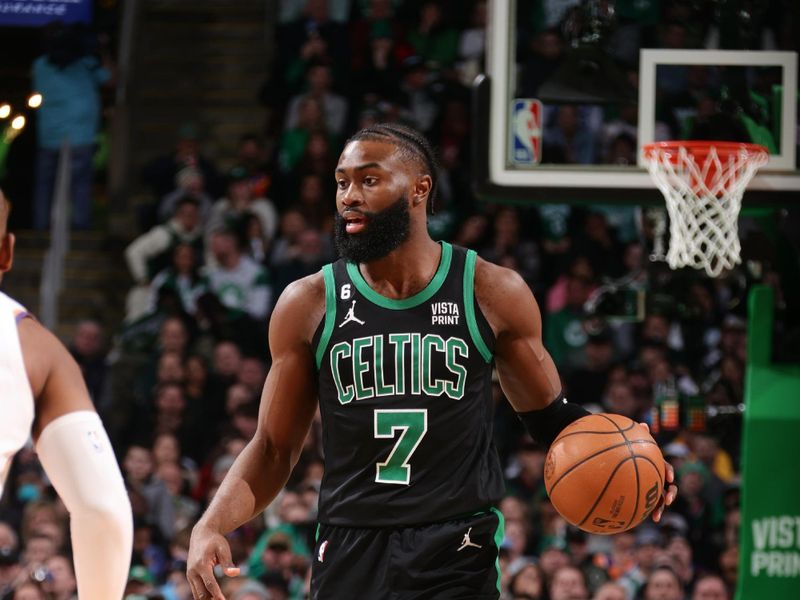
{"x":44,"y":395}
{"x":397,"y":342}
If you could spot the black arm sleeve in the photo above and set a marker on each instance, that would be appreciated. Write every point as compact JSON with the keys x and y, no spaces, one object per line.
{"x":544,"y":425}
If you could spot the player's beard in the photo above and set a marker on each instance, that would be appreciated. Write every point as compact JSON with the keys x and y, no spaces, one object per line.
{"x":383,"y":232}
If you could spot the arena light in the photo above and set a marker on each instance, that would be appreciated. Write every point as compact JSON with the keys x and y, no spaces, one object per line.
{"x":5,"y":110}
{"x":18,"y":123}
{"x":35,"y":100}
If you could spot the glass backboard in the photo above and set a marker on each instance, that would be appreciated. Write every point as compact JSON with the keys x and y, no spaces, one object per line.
{"x":574,"y":90}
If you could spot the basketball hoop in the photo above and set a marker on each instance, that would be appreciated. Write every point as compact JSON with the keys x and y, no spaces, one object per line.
{"x":703,"y":183}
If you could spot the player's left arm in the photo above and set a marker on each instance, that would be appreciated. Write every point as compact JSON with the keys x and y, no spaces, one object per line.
{"x":527,"y":373}
{"x":77,"y":456}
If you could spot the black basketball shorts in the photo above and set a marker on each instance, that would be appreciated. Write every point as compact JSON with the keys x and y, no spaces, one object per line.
{"x":455,"y":560}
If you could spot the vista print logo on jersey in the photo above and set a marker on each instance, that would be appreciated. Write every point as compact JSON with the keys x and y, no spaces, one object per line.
{"x":444,"y":313}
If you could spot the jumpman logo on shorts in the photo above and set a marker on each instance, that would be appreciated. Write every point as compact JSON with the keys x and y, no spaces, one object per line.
{"x":351,"y":316}
{"x":467,"y":542}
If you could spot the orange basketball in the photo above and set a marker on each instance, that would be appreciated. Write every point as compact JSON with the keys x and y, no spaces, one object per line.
{"x":604,"y":473}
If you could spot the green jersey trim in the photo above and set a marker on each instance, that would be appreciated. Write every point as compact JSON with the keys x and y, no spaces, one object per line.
{"x":469,"y":306}
{"x":402,"y":304}
{"x":499,"y":534}
{"x":330,"y":312}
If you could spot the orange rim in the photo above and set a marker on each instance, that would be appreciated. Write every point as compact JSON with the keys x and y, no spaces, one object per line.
{"x":701,"y":149}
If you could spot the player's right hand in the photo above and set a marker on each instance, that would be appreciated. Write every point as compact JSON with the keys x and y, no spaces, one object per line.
{"x":206,"y":550}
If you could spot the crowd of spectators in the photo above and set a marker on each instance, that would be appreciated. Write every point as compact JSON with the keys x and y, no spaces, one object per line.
{"x":179,"y":385}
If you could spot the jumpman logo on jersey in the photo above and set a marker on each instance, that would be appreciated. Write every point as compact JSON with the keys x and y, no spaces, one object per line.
{"x":468,"y":542}
{"x":351,"y":316}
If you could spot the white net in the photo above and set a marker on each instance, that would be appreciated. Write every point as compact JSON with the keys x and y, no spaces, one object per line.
{"x":703,"y":187}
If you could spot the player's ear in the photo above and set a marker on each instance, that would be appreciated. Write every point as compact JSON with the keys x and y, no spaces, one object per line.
{"x":6,"y":252}
{"x":421,"y":190}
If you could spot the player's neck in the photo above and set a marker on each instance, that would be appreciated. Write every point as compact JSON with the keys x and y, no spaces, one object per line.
{"x":406,"y":270}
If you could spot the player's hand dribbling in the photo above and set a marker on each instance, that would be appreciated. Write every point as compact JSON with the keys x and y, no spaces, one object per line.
{"x":206,"y":550}
{"x":669,"y":494}
{"x":670,"y":490}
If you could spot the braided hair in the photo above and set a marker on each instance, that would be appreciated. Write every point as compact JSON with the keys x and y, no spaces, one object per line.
{"x":412,"y":145}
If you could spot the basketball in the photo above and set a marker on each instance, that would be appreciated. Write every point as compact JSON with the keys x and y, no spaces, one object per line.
{"x":604,"y":473}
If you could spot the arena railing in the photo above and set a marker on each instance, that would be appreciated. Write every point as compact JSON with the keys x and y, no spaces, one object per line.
{"x":53,"y":268}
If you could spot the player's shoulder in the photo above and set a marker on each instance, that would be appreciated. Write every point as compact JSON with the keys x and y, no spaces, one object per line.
{"x":301,"y":305}
{"x":308,"y":289}
{"x":493,"y":279}
{"x":35,"y":336}
{"x":502,"y":295}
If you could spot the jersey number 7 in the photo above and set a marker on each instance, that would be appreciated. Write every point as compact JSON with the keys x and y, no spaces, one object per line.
{"x":411,"y":424}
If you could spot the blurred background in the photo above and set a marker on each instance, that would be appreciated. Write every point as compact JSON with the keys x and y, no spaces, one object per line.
{"x":176,"y":174}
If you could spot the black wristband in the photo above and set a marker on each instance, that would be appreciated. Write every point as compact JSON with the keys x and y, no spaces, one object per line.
{"x":544,"y":425}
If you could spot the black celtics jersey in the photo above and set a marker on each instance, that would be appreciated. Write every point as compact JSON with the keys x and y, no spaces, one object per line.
{"x":405,"y":398}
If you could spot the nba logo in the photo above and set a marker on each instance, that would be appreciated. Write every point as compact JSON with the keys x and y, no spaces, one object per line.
{"x":526,"y":132}
{"x":321,"y":554}
{"x":94,"y":441}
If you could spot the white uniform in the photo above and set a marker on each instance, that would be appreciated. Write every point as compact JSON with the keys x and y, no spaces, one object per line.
{"x":77,"y":456}
{"x":16,"y":397}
